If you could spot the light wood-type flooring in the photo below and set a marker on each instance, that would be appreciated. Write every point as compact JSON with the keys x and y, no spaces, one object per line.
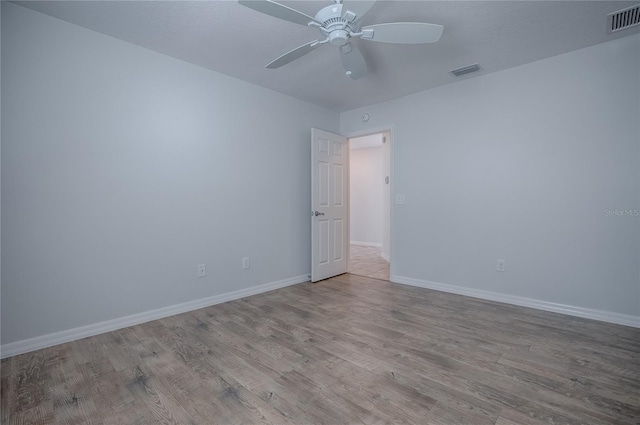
{"x":367,"y":261}
{"x":348,"y":350}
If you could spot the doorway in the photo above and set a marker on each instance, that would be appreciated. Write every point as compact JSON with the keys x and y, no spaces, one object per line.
{"x":370,"y":205}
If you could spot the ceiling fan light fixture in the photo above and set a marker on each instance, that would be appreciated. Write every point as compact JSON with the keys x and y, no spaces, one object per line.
{"x":465,"y":70}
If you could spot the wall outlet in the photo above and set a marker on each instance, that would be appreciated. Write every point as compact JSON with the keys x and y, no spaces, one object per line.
{"x":245,"y":263}
{"x":202,"y":270}
{"x":400,"y":199}
{"x":501,"y":264}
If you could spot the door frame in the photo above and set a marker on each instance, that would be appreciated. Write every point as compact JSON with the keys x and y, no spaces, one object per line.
{"x":377,"y":130}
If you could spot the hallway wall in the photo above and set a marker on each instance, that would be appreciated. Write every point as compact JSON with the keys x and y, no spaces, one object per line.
{"x":366,"y":192}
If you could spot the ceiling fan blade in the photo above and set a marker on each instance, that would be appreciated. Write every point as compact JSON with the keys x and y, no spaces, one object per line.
{"x":403,"y":32}
{"x":353,"y":61}
{"x":294,"y":54}
{"x":357,"y":7}
{"x":278,"y":10}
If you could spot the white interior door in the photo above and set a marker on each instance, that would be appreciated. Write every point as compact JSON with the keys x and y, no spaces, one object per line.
{"x":329,"y":204}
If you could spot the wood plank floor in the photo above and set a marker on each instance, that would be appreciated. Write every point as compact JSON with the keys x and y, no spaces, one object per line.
{"x":349,"y":350}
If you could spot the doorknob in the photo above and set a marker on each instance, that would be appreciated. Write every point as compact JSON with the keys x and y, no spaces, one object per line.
{"x":317,"y":213}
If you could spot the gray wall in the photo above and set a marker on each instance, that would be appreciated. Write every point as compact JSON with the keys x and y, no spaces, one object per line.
{"x":524,"y":165}
{"x":0,"y":174}
{"x":123,"y":169}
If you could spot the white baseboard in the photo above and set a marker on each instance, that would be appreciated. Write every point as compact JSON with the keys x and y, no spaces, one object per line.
{"x":44,"y":341}
{"x":360,"y":243}
{"x":588,"y":313}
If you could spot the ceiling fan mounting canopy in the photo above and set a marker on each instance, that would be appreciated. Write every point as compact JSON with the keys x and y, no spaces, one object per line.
{"x":338,"y":23}
{"x":338,"y":29}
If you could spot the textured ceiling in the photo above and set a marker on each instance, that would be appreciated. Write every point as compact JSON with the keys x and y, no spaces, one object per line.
{"x":238,"y":41}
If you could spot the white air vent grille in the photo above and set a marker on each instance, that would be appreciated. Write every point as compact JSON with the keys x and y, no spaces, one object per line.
{"x":466,"y":70}
{"x":623,"y":19}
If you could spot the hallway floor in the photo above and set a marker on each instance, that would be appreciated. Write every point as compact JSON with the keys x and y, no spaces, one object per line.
{"x":367,"y":261}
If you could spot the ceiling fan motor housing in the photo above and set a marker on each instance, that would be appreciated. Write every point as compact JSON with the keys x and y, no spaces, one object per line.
{"x":337,"y":27}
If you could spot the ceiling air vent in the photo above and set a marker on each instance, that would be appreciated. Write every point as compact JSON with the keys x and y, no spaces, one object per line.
{"x":623,"y":19}
{"x":466,"y":70}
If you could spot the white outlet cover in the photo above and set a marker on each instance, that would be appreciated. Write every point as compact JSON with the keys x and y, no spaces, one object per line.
{"x":400,"y":199}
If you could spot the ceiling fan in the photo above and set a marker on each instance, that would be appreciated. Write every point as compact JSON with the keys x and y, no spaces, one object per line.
{"x":338,"y":24}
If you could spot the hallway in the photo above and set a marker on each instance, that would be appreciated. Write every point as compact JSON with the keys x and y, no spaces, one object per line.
{"x":367,"y":261}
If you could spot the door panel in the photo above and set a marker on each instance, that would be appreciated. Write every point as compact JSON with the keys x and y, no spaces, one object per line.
{"x":338,"y":233}
{"x":338,"y":185}
{"x":323,"y":184}
{"x":329,"y":222}
{"x":323,"y":241}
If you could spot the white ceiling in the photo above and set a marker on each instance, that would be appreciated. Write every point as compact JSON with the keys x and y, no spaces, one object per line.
{"x":234,"y":40}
